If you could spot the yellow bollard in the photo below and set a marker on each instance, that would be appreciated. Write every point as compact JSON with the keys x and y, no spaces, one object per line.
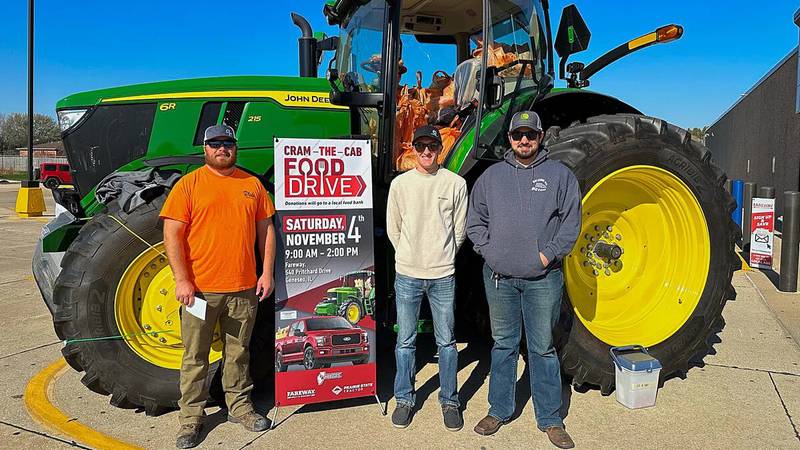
{"x":30,"y":199}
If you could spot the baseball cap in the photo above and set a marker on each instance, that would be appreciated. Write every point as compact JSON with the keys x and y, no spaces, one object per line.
{"x":219,"y":131}
{"x":427,"y":131}
{"x":525,"y":119}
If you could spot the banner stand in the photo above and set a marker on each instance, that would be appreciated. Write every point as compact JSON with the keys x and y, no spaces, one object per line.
{"x":326,"y":296}
{"x":273,"y":424}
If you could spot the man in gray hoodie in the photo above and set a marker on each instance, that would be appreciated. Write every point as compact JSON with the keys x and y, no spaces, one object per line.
{"x":524,"y":218}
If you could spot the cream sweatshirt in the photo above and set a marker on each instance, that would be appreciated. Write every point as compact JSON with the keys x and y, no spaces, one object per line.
{"x":426,"y":222}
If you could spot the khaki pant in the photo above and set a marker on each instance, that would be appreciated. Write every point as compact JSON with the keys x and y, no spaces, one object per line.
{"x":236,"y":313}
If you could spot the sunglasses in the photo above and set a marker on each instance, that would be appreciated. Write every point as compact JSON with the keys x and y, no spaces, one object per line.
{"x":517,"y":135}
{"x":420,"y":147}
{"x":217,"y":144}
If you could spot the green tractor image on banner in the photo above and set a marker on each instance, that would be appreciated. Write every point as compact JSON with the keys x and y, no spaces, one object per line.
{"x":354,"y":300}
{"x":652,"y":267}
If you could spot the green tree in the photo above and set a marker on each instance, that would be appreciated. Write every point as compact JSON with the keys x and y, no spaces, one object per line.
{"x":699,"y":133}
{"x":14,"y":130}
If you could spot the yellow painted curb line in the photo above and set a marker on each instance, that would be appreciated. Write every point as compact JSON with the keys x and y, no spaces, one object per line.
{"x":37,"y":401}
{"x":745,"y":267}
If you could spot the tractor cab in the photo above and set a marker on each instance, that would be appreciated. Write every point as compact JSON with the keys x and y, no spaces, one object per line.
{"x":450,"y":63}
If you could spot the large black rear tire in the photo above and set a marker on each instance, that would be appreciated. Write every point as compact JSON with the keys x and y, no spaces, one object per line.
{"x":604,"y":145}
{"x":85,"y":294}
{"x":84,"y":297}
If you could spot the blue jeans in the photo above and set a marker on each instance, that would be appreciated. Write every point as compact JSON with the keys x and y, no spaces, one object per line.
{"x":408,"y":296}
{"x":536,"y":304}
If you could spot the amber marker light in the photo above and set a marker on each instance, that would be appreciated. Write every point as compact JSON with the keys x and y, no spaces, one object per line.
{"x":669,"y":33}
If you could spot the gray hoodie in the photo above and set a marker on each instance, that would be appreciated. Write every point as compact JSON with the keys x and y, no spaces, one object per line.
{"x":515,"y":212}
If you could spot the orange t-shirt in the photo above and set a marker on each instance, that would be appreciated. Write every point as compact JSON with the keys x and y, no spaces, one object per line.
{"x":221,"y":212}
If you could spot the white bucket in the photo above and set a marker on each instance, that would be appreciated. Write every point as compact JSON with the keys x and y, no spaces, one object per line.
{"x":636,"y":375}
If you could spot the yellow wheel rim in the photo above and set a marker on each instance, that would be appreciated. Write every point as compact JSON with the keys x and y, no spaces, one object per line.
{"x":352,"y":313}
{"x":645,"y":295}
{"x":148,"y":314}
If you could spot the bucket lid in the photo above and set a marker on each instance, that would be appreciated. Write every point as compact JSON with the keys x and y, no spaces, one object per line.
{"x":635,"y":358}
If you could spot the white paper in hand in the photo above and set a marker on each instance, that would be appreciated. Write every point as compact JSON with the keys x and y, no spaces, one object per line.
{"x":198,"y":309}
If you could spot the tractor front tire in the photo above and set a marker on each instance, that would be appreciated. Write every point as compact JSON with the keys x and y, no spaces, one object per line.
{"x":652,"y":190}
{"x":352,"y":311}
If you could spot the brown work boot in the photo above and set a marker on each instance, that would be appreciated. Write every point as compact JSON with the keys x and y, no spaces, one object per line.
{"x":488,"y":425}
{"x":251,"y":421}
{"x":189,"y":435}
{"x":559,"y":437}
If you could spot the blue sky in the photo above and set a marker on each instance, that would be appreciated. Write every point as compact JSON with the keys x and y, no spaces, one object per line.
{"x":89,"y":44}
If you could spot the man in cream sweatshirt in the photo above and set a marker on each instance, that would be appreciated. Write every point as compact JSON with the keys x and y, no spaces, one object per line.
{"x":426,"y":222}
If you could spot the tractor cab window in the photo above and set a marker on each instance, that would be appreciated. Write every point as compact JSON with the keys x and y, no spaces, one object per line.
{"x":517,"y":47}
{"x":441,"y":44}
{"x":358,"y":60}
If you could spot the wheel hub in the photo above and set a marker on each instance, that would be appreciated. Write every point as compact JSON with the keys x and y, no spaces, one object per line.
{"x":148,"y":315}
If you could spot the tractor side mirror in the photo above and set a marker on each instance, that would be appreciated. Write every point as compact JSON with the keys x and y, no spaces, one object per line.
{"x":572,"y":36}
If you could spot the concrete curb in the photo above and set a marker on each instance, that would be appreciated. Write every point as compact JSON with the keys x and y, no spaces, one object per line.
{"x":40,"y":408}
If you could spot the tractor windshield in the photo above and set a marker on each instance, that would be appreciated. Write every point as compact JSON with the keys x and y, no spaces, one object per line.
{"x":441,"y":44}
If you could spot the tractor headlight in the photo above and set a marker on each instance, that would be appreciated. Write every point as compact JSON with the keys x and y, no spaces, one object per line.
{"x":69,"y":117}
{"x":320,"y":340}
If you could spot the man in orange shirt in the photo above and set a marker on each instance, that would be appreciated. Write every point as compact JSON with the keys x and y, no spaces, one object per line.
{"x":212,"y":219}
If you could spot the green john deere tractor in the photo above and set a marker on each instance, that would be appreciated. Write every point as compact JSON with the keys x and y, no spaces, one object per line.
{"x":354,"y":300}
{"x":655,"y":258}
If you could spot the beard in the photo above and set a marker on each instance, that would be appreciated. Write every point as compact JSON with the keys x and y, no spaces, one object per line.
{"x":526,"y":152}
{"x":212,"y":161}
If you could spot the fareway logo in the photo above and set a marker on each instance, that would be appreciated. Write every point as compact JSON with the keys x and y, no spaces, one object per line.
{"x":301,"y":393}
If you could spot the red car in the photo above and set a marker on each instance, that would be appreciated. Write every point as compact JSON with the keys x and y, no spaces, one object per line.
{"x":317,"y":342}
{"x":53,"y":175}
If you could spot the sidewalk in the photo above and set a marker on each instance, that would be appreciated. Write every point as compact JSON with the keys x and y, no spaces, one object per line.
{"x":747,"y":395}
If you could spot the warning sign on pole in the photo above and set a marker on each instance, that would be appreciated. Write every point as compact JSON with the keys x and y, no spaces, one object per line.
{"x":325,"y":295}
{"x":762,"y":226}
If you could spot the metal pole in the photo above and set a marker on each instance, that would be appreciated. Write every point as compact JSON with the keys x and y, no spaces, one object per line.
{"x":790,"y":242}
{"x":30,"y":91}
{"x":766,"y":192}
{"x":738,"y":187}
{"x":747,"y":207}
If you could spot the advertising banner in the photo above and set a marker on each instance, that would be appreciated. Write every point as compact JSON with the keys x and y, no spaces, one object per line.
{"x":762,"y":229}
{"x":324,"y":279}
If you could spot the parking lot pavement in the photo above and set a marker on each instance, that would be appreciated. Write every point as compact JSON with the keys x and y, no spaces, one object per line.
{"x":746,"y":395}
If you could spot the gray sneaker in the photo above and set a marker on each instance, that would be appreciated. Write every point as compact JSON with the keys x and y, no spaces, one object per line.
{"x":452,"y":418}
{"x":401,"y":417}
{"x":189,"y":435}
{"x":251,"y":421}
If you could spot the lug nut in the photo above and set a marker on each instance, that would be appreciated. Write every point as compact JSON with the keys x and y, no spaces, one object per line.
{"x":596,"y":228}
{"x":586,"y":236}
{"x":163,"y":291}
{"x":159,"y":308}
{"x":146,"y":326}
{"x":608,"y":272}
{"x":162,"y":340}
{"x":608,"y":228}
{"x":618,"y":236}
{"x":595,"y":272}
